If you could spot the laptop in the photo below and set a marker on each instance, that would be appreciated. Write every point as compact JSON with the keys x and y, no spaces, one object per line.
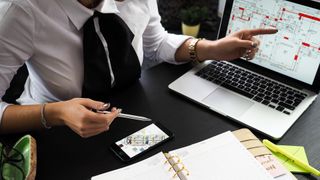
{"x":270,"y":92}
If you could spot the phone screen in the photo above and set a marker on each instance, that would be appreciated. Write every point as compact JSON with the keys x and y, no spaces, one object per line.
{"x":142,"y":140}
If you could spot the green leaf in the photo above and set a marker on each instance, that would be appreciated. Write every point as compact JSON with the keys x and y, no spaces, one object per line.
{"x":193,"y":15}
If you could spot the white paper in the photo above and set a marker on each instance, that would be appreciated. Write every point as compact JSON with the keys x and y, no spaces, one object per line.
{"x":219,"y":157}
{"x":153,"y":168}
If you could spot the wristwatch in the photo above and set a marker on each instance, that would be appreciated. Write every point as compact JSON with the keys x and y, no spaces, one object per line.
{"x":193,"y":49}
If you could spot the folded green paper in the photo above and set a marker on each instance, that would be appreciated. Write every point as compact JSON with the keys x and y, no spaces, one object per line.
{"x":297,"y":151}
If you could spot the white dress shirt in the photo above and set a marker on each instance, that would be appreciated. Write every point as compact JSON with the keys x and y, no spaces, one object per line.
{"x":47,"y":36}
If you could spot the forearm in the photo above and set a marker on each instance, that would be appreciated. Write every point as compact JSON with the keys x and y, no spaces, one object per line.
{"x":76,"y":113}
{"x":236,"y":45}
{"x":18,"y":118}
{"x":205,"y":49}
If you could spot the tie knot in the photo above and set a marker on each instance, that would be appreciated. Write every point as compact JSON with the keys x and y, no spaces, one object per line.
{"x":97,"y":14}
{"x":111,"y":24}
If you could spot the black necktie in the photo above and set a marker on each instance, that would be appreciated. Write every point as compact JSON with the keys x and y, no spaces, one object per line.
{"x":110,"y":62}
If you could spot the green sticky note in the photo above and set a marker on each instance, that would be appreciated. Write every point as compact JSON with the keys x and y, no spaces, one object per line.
{"x":297,"y":151}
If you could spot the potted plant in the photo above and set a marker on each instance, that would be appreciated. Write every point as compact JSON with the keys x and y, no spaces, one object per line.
{"x":191,"y":18}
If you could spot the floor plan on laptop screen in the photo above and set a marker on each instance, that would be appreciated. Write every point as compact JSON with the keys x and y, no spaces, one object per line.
{"x":295,"y":50}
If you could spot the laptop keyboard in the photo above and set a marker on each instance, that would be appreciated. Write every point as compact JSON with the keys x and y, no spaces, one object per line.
{"x":265,"y":91}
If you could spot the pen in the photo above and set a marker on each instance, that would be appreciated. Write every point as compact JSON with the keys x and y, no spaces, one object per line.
{"x":295,"y":160}
{"x":128,"y":116}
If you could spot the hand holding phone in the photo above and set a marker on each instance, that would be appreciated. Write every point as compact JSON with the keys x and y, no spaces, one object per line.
{"x":141,"y":141}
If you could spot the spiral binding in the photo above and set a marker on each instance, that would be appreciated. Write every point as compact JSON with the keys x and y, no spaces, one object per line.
{"x":174,"y":165}
{"x":181,"y":170}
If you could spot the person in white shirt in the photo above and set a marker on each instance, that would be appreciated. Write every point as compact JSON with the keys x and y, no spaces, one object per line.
{"x":47,"y":37}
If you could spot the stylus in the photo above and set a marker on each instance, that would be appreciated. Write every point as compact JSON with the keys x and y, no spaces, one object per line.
{"x":128,"y":116}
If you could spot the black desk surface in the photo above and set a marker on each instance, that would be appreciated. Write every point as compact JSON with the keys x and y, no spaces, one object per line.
{"x":62,"y":154}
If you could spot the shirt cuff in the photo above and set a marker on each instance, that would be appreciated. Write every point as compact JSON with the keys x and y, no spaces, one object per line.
{"x":3,"y":106}
{"x":169,"y":47}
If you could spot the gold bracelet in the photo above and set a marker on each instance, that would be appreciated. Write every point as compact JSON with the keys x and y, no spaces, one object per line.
{"x":193,"y":49}
{"x":43,"y":119}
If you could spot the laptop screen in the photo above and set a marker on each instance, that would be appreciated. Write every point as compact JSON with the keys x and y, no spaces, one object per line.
{"x":295,"y":50}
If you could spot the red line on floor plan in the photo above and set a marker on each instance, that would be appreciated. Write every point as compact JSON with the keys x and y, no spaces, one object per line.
{"x":309,"y":17}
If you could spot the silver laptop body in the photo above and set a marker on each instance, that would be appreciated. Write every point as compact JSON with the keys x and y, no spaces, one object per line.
{"x":288,"y":62}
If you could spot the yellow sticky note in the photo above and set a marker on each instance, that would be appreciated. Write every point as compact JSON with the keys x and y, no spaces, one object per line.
{"x":297,"y":151}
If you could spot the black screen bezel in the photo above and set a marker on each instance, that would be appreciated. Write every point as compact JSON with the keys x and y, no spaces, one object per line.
{"x":124,"y":157}
{"x":315,"y":87}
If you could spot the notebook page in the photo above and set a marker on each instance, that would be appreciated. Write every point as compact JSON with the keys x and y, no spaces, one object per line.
{"x":152,"y":168}
{"x":221,"y":157}
{"x":213,"y":141}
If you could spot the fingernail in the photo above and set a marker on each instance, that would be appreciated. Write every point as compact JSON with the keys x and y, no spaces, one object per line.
{"x":254,"y":44}
{"x":106,"y":106}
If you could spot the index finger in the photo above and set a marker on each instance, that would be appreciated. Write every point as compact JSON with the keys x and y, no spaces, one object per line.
{"x":255,"y":32}
{"x":102,"y":118}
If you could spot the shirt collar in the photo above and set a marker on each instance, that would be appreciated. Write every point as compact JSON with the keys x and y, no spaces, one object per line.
{"x":79,"y":14}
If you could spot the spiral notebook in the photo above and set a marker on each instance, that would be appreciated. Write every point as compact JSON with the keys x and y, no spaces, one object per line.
{"x":221,"y":157}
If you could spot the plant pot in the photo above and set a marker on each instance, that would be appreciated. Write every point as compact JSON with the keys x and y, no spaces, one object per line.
{"x":190,"y":30}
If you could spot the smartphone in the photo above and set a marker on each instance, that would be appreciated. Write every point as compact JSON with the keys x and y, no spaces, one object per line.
{"x":141,"y":141}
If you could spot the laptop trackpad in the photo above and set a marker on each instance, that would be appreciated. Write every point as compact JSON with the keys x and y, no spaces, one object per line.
{"x":227,"y":102}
